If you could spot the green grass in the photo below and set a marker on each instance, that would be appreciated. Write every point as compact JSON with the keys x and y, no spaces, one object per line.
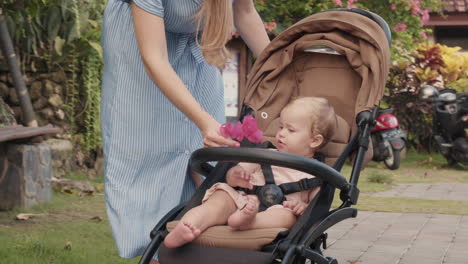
{"x":62,"y":242}
{"x":74,"y":230}
{"x":68,"y":230}
{"x":415,"y":168}
{"x":380,"y":177}
{"x":411,"y":205}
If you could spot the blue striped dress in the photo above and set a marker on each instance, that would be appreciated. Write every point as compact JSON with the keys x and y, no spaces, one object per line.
{"x":147,"y":140}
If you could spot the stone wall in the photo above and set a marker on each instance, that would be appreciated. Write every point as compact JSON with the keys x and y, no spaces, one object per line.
{"x":47,"y":92}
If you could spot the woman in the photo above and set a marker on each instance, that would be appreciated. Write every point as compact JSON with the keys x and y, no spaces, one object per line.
{"x":157,"y":78}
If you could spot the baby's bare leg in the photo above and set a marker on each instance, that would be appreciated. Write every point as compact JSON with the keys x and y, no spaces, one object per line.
{"x":214,"y":211}
{"x":273,"y":218}
{"x":241,"y":219}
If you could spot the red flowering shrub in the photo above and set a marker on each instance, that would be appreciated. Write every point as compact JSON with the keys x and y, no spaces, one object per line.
{"x":405,"y":17}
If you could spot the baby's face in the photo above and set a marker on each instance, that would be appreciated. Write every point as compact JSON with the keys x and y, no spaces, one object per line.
{"x":294,"y":135}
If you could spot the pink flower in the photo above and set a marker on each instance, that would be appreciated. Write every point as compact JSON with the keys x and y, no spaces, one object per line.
{"x":225,"y":130}
{"x":249,"y":124}
{"x":423,"y":35}
{"x":415,"y":11}
{"x":262,"y":2}
{"x":256,"y":137}
{"x":237,"y":133}
{"x":400,"y":27}
{"x":338,"y":2}
{"x":425,"y":16}
{"x":392,"y":6}
{"x":230,"y":131}
{"x":415,"y":6}
{"x":273,"y":25}
{"x":414,"y":3}
{"x":250,"y":129}
{"x":270,"y":26}
{"x":350,"y":4}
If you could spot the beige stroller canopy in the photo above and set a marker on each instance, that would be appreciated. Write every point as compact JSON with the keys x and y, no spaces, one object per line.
{"x":342,"y":56}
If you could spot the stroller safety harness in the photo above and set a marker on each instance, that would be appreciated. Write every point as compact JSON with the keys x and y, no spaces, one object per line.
{"x":271,"y":194}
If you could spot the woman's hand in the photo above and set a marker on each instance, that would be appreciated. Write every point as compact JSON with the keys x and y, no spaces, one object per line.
{"x":298,"y":207}
{"x":212,"y":136}
{"x":239,"y":177}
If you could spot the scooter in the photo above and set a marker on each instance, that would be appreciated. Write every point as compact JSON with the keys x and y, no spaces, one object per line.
{"x":450,"y":122}
{"x":388,"y":139}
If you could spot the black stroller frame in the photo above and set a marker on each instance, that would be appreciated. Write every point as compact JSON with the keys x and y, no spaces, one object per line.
{"x":294,"y":246}
{"x":305,"y":240}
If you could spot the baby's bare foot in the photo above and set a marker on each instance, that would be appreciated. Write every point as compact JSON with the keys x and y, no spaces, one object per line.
{"x":242,"y":219}
{"x":182,"y":234}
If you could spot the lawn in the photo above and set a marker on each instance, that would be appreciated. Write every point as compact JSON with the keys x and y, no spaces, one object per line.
{"x":68,"y":230}
{"x":73,"y":230}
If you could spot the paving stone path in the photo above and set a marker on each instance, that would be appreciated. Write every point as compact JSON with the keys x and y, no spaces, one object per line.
{"x":400,"y":238}
{"x":404,"y":238}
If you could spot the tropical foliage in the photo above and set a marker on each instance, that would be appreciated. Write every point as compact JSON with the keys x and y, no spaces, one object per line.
{"x":63,"y":35}
{"x":54,"y":28}
{"x":405,"y":17}
{"x":432,"y":64}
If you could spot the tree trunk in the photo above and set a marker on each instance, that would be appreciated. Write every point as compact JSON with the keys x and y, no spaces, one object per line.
{"x":20,"y":86}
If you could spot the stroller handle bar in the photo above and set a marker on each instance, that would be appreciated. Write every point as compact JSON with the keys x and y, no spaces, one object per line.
{"x":264,"y":156}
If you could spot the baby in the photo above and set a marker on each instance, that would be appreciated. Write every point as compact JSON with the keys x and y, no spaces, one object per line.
{"x":306,"y":124}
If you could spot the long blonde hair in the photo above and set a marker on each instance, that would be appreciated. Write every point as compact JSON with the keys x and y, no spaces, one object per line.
{"x":217,"y":19}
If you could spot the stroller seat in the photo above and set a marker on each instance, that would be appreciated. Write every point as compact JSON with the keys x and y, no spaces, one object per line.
{"x":342,"y":55}
{"x":226,"y":237}
{"x":333,"y":149}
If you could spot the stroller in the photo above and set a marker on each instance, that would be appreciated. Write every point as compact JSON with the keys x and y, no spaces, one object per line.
{"x":340,"y":54}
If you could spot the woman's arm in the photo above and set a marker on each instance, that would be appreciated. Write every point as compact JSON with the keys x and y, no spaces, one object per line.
{"x":151,"y":37}
{"x":250,"y":26}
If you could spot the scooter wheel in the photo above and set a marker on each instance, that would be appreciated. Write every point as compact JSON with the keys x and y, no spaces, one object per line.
{"x":392,"y":162}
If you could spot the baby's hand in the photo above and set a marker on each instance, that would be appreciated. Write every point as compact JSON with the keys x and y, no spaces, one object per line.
{"x":298,"y":207}
{"x":237,"y":176}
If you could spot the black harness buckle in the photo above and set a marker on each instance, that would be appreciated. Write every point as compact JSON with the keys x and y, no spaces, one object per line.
{"x":270,"y":194}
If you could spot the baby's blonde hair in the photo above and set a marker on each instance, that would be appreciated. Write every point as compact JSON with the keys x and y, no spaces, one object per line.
{"x":321,"y":113}
{"x":217,"y":18}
